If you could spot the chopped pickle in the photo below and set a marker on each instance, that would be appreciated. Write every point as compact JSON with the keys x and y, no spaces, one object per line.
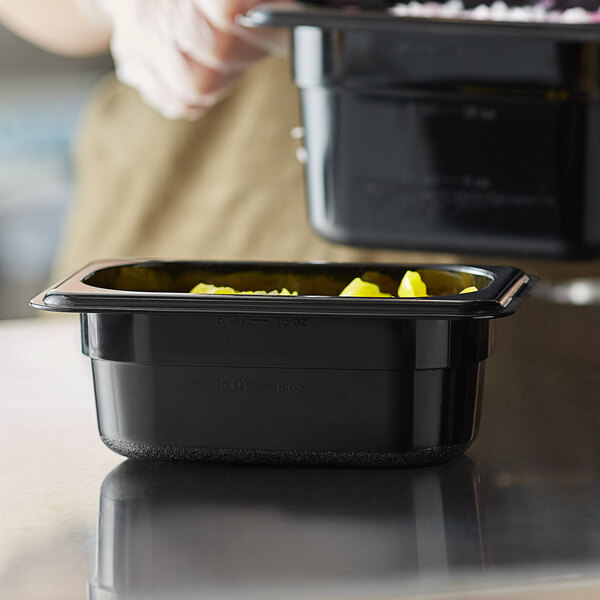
{"x":209,"y":288}
{"x":359,"y":287}
{"x":412,"y":286}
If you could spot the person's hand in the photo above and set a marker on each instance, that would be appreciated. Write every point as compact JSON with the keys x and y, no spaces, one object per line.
{"x":183,"y":56}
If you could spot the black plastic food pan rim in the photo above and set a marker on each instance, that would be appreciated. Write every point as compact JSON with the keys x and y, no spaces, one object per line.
{"x":507,"y":289}
{"x":299,"y":15}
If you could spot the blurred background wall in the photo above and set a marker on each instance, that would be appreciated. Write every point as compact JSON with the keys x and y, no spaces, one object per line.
{"x":41,"y":101}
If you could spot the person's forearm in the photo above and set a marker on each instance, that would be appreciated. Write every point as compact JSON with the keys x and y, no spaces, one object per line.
{"x":59,"y":26}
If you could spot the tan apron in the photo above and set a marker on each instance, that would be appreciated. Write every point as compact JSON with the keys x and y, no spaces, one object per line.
{"x":227,"y":186}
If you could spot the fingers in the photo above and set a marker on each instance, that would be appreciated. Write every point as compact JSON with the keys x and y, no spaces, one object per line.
{"x":147,"y":59}
{"x":183,"y":56}
{"x":222,"y":14}
{"x":215,"y":47}
{"x":209,"y":84}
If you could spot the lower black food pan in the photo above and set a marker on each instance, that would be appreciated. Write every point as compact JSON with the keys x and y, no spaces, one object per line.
{"x":308,"y":379}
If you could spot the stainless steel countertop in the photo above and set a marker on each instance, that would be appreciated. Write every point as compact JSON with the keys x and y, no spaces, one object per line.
{"x":517,"y":517}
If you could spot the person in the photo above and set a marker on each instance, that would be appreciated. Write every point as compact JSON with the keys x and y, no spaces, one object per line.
{"x":186,"y":152}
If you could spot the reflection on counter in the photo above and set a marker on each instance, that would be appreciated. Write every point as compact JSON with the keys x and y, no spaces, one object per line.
{"x":170,"y":530}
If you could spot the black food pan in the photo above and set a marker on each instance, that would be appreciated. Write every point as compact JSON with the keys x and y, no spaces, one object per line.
{"x":454,"y":135}
{"x":308,"y":379}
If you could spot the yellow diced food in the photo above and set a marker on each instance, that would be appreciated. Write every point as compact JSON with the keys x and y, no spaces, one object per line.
{"x":412,"y":286}
{"x":359,"y":287}
{"x":283,"y":292}
{"x":209,"y":288}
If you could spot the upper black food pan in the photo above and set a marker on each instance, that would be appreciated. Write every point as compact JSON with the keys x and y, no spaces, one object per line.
{"x":308,"y":379}
{"x":448,"y":134}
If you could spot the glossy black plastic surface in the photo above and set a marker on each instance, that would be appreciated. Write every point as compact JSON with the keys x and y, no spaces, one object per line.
{"x":266,"y":529}
{"x":466,"y":137}
{"x":297,"y":379}
{"x":256,"y":407}
{"x":298,"y":13}
{"x":163,"y":286}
